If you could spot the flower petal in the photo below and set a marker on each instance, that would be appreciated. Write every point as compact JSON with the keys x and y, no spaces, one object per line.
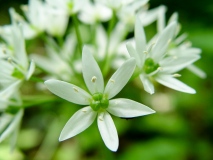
{"x":127,"y":108}
{"x":80,"y":121}
{"x":147,"y":84}
{"x":120,"y":78}
{"x":68,"y":91}
{"x":30,"y":70}
{"x":140,"y":39}
{"x":171,"y":64}
{"x":161,"y":45}
{"x":108,"y":131}
{"x":169,"y":81}
{"x":197,"y":71}
{"x":15,"y":121}
{"x":91,"y":72}
{"x":133,"y":53}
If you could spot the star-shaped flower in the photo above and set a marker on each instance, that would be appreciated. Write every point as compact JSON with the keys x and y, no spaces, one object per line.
{"x":155,"y":63}
{"x":99,"y":101}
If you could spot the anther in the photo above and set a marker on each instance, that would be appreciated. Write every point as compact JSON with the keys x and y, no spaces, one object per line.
{"x":150,"y":47}
{"x":93,"y":79}
{"x":75,"y":89}
{"x":112,"y":80}
{"x":176,"y":75}
{"x":84,"y":110}
{"x":9,"y":60}
{"x":25,"y":8}
{"x":160,"y":68}
{"x":101,"y":119}
{"x":145,"y":52}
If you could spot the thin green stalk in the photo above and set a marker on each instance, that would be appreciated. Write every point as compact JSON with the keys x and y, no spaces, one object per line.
{"x":77,"y":31}
{"x":109,"y":30}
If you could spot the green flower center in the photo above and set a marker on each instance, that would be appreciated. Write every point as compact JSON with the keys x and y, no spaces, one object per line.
{"x":99,"y":101}
{"x":17,"y":74}
{"x":150,"y":66}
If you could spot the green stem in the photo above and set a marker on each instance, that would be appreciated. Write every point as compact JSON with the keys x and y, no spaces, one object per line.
{"x":77,"y":31}
{"x":36,"y":79}
{"x":107,"y":58}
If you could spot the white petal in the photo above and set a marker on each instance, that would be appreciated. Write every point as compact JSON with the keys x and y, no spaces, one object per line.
{"x":12,"y":126}
{"x":91,"y":70}
{"x":140,"y":39}
{"x":30,"y":70}
{"x":80,"y":121}
{"x":127,"y":108}
{"x":161,"y":45}
{"x":147,"y":84}
{"x":169,"y":81}
{"x":161,"y":18}
{"x":133,"y":53}
{"x":108,"y":131}
{"x":197,"y":71}
{"x":120,"y":78}
{"x":68,"y":91}
{"x":172,"y":65}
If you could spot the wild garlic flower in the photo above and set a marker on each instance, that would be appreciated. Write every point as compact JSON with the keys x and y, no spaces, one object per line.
{"x":179,"y":47}
{"x":69,"y":6}
{"x":95,"y":12}
{"x":10,"y":125}
{"x":99,"y":100}
{"x":59,"y":57}
{"x":42,"y":17}
{"x":154,"y":63}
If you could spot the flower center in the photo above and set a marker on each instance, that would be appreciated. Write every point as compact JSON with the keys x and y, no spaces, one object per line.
{"x":99,"y":101}
{"x":150,"y":66}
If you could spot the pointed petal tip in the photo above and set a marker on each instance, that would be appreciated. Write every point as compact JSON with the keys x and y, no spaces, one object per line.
{"x":114,"y":149}
{"x":61,"y":138}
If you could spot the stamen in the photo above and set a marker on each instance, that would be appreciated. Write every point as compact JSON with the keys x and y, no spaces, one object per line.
{"x":94,"y":79}
{"x":145,"y":52}
{"x":84,"y":110}
{"x":150,"y":47}
{"x":176,"y":75}
{"x":75,"y":89}
{"x":25,"y":8}
{"x":112,"y":80}
{"x":160,"y":68}
{"x":101,"y":117}
{"x":9,"y":60}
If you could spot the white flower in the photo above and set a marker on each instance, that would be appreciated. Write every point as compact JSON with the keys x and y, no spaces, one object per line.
{"x":94,"y":12}
{"x":99,"y":100}
{"x":60,"y":58}
{"x":154,"y":62}
{"x":69,"y":6}
{"x":43,"y":17}
{"x":10,"y":125}
{"x":16,"y":55}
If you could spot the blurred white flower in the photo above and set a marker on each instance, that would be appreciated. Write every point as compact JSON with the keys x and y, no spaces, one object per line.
{"x":9,"y":126}
{"x":95,"y":12}
{"x":42,"y":17}
{"x":69,"y":6}
{"x":153,"y":61}
{"x":99,"y":100}
{"x":59,"y":57}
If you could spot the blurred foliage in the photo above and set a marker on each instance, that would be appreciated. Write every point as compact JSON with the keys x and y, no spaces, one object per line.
{"x":181,"y":129}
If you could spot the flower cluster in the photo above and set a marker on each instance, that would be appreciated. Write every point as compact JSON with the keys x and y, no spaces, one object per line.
{"x":67,"y":38}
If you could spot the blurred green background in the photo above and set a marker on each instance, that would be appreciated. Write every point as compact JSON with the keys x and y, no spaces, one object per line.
{"x":182,"y":128}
